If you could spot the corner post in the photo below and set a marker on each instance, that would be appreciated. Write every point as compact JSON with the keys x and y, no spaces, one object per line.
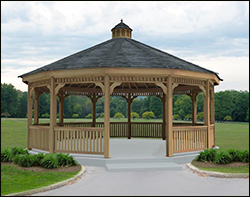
{"x":207,"y":113}
{"x":164,"y":117}
{"x":61,"y":104}
{"x":194,"y":108}
{"x":52,"y":115}
{"x":106,"y":116}
{"x":169,"y":117}
{"x":129,"y":115}
{"x":93,"y":109}
{"x":36,"y":107}
{"x":29,"y":116}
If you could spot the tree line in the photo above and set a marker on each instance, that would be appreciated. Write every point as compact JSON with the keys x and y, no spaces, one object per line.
{"x":230,"y":105}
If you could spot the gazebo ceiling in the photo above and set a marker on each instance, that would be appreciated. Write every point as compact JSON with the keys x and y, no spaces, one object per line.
{"x":121,"y":52}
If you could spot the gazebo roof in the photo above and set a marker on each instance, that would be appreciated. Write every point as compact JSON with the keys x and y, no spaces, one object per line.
{"x":121,"y":52}
{"x":121,"y":25}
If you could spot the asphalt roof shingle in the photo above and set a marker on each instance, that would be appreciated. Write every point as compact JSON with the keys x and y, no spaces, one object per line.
{"x":121,"y":52}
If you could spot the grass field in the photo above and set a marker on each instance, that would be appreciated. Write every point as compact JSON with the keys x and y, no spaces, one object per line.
{"x":14,"y":180}
{"x":227,"y":135}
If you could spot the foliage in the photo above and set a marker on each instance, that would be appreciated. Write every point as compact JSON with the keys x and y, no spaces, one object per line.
{"x":176,"y":117}
{"x":19,"y":151}
{"x":75,"y":116}
{"x":25,"y":160}
{"x":148,"y":115}
{"x":236,"y":155}
{"x":6,"y":155}
{"x":222,"y":157}
{"x":228,"y":118}
{"x":65,"y":160}
{"x":89,"y":116}
{"x":101,"y":115}
{"x":118,"y":115}
{"x":46,"y":115}
{"x":38,"y":159}
{"x":200,"y":116}
{"x":188,"y":117}
{"x":49,"y":161}
{"x":134,"y":115}
{"x":227,"y":103}
{"x":207,"y":155}
{"x":244,"y":157}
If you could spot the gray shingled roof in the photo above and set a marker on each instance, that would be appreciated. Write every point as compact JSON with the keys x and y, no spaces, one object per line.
{"x":121,"y":52}
{"x":121,"y":25}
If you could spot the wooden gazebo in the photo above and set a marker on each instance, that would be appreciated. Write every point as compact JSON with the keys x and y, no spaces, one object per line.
{"x":123,"y":67}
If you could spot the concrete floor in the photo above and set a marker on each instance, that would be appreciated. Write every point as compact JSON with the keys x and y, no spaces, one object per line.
{"x":97,"y":181}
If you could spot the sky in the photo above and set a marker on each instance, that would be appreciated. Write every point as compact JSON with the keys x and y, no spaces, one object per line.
{"x":214,"y":35}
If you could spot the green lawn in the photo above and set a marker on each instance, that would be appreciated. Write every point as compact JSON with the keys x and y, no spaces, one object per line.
{"x":14,"y":180}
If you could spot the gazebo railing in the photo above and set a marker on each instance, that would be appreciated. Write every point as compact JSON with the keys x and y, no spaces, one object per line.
{"x":189,"y":138}
{"x":85,"y":140}
{"x":39,"y":137}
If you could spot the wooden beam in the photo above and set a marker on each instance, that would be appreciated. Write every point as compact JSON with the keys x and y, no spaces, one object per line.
{"x":36,"y":107}
{"x":129,"y":115}
{"x":169,"y":118}
{"x":52,"y":115}
{"x":207,"y":113}
{"x":61,"y":103}
{"x":106,"y":116}
{"x":29,"y":116}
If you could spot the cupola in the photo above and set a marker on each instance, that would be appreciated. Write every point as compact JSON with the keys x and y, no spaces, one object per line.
{"x":121,"y":30}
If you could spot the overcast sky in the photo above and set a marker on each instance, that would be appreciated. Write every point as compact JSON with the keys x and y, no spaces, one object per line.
{"x":214,"y":35}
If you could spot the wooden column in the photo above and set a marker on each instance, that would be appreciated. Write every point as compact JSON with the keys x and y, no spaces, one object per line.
{"x":94,"y":109}
{"x":212,"y":105}
{"x":61,"y":104}
{"x":207,"y":113}
{"x":169,"y":117}
{"x":164,"y":117}
{"x":36,"y":107}
{"x":29,"y":115}
{"x":106,"y":116}
{"x":129,"y":115}
{"x":194,"y":108}
{"x":52,"y":115}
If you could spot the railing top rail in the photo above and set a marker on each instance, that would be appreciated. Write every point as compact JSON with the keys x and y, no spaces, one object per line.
{"x":39,"y":127}
{"x":98,"y":129}
{"x":189,"y":127}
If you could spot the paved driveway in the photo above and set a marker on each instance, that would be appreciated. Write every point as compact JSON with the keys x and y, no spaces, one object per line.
{"x":98,"y":182}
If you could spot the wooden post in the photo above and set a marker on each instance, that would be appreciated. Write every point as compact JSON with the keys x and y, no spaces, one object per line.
{"x":207,"y":113}
{"x":129,"y":115}
{"x":94,"y":109}
{"x":194,"y":108}
{"x":169,"y":118}
{"x":29,"y":116}
{"x":36,"y":107}
{"x":52,"y":115}
{"x":164,"y":117}
{"x":212,"y":105}
{"x":61,"y":103}
{"x":106,"y":116}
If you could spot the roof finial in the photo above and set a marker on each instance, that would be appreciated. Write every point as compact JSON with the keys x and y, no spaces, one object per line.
{"x":121,"y":20}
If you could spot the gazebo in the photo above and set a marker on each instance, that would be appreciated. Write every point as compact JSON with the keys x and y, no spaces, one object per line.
{"x":122,"y":67}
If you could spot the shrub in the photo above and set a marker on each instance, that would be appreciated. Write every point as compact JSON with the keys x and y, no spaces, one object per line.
{"x":207,"y":155}
{"x":188,"y":117}
{"x":25,"y":160}
{"x":148,"y":115}
{"x":19,"y":151}
{"x":39,"y":158}
{"x":119,"y":115}
{"x":49,"y":161}
{"x":236,"y":154}
{"x":89,"y":116}
{"x":6,"y":155}
{"x":176,"y":117}
{"x":101,"y":115}
{"x":222,"y":157}
{"x":134,"y":115}
{"x":65,"y":160}
{"x":228,"y":118}
{"x":45,"y":115}
{"x":200,"y":116}
{"x":244,"y":156}
{"x":75,"y":116}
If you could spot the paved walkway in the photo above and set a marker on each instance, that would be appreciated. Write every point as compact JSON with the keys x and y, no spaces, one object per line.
{"x":98,"y":182}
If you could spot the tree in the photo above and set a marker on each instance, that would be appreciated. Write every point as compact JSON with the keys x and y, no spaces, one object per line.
{"x":136,"y":105}
{"x":176,"y":117}
{"x":148,"y":115}
{"x":200,"y":116}
{"x":155,"y":106}
{"x":9,"y":100}
{"x":119,"y":115}
{"x":134,"y":115}
{"x":247,"y":116}
{"x":183,"y":106}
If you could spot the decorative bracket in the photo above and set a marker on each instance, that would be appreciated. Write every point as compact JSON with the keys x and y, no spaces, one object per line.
{"x":203,"y":90}
{"x":100,"y":84}
{"x":163,"y":87}
{"x":112,"y":87}
{"x":58,"y":87}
